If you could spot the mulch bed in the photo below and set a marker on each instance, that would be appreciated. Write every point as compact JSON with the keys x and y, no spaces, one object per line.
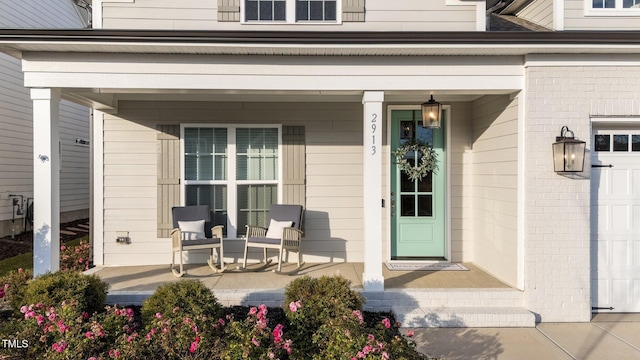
{"x":23,"y":243}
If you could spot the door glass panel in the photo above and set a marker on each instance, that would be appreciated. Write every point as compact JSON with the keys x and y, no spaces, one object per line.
{"x":635,"y":142}
{"x":406,"y":184}
{"x":620,"y":142}
{"x":425,"y":205}
{"x":426,"y":184}
{"x":407,"y":205}
{"x":603,"y":142}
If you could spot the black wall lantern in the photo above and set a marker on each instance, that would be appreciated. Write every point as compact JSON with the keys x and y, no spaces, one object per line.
{"x":431,"y":114}
{"x":568,"y":153}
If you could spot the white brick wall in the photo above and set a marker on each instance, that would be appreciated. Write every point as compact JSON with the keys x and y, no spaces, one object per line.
{"x":557,"y":273}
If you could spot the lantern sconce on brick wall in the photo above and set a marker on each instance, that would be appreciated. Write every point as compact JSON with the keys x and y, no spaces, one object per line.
{"x":568,"y":152}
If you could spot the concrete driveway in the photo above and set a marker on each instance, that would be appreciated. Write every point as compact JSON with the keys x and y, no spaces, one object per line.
{"x":607,"y":336}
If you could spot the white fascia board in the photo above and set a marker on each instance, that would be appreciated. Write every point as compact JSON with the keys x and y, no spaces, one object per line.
{"x":542,"y":60}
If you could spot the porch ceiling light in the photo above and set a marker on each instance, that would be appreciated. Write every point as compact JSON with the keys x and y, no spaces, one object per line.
{"x":431,"y":114}
{"x":568,"y":152}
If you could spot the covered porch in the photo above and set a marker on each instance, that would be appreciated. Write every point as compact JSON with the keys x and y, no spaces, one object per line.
{"x":467,"y":298}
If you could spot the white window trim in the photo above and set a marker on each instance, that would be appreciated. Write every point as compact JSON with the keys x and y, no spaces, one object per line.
{"x":618,"y":11}
{"x":290,"y":16}
{"x":231,"y":182}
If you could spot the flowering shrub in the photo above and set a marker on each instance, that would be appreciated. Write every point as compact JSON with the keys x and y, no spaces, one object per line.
{"x":177,"y":336}
{"x":65,"y":332}
{"x":191,"y":296}
{"x":254,"y":339}
{"x":75,"y":258}
{"x":316,"y":301}
{"x":89,"y":292}
{"x":12,"y":285}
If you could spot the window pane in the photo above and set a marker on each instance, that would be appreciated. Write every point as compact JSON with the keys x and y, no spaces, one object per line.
{"x":603,"y":142}
{"x":205,"y":154}
{"x":266,"y":10}
{"x":213,"y":195}
{"x":610,"y":4}
{"x":425,"y":205}
{"x":257,"y":154}
{"x":635,"y":142}
{"x":620,"y":142}
{"x":631,"y":4}
{"x":407,"y":205}
{"x":426,"y":184}
{"x":251,"y":10}
{"x":329,"y":10}
{"x":316,"y":10}
{"x":279,"y":10}
{"x":302,"y":10}
{"x":253,"y":205}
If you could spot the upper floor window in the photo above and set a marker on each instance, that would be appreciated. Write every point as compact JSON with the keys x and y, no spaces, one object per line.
{"x":613,"y":4}
{"x":291,"y":11}
{"x":265,"y":10}
{"x":315,"y":10}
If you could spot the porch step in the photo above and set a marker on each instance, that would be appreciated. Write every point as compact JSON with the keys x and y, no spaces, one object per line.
{"x":464,"y":317}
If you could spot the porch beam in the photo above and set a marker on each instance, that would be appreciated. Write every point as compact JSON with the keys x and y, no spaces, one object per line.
{"x":46,"y":180}
{"x":372,"y":278}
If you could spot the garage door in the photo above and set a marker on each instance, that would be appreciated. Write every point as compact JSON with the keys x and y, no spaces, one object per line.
{"x":615,"y":220}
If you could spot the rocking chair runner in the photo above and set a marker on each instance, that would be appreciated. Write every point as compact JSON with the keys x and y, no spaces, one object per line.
{"x":193,"y":231}
{"x":284,"y":233}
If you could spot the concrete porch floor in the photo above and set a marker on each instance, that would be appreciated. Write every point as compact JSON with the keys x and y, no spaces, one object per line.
{"x":148,"y":278}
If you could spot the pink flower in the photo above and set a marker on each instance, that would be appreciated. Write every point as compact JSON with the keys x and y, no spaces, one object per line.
{"x":6,"y":286}
{"x":19,"y":270}
{"x":367,"y":349}
{"x":253,"y":310}
{"x":386,"y":322}
{"x":88,"y":334}
{"x":193,"y":347}
{"x":175,"y":309}
{"x":221,"y":321}
{"x":385,"y":355}
{"x":30,"y":314}
{"x":59,"y":346}
{"x":158,"y":315}
{"x":52,"y":317}
{"x":80,"y":260}
{"x":277,"y":333}
{"x":23,"y":309}
{"x":63,"y":248}
{"x":371,"y":338}
{"x":40,"y":319}
{"x":293,"y":307}
{"x":358,"y":315}
{"x":255,"y":342}
{"x":2,"y":293}
{"x":85,"y":315}
{"x":410,"y":333}
{"x":129,"y":312}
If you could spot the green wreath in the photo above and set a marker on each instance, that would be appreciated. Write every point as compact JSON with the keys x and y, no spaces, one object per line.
{"x":428,"y":161}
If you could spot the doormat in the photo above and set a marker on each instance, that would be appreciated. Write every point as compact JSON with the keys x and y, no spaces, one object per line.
{"x":408,"y":266}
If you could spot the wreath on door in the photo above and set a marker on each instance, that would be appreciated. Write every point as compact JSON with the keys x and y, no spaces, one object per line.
{"x":428,"y":161}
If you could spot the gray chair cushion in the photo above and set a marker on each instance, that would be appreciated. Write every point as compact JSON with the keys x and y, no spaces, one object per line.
{"x":200,"y":242}
{"x":286,"y":213}
{"x":264,"y":240}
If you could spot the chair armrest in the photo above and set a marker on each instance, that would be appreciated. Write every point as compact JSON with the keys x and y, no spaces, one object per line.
{"x":216,"y":231}
{"x":291,"y":237}
{"x":176,"y":237}
{"x":256,"y":231}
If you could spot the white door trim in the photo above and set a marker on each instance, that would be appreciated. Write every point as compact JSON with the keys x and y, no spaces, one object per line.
{"x":447,"y":200}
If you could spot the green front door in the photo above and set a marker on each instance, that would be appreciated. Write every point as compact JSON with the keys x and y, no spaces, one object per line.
{"x":417,"y":207}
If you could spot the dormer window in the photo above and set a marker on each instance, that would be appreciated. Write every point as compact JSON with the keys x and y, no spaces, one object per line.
{"x":615,"y":4}
{"x":314,"y":10}
{"x":265,"y":10}
{"x":293,"y":11}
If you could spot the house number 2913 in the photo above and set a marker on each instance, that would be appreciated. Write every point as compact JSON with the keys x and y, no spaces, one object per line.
{"x":374,"y":117}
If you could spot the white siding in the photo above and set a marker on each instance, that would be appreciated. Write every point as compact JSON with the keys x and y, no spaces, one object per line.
{"x":334,"y":215}
{"x":381,"y":15}
{"x":16,"y":118}
{"x":539,"y":12}
{"x":575,"y":19}
{"x":494,"y":185}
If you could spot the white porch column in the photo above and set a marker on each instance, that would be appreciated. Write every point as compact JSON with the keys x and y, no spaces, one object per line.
{"x":46,"y":181}
{"x":372,"y":278}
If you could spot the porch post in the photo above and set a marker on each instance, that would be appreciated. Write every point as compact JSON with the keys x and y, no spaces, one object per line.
{"x":46,"y":181}
{"x":372,"y":125}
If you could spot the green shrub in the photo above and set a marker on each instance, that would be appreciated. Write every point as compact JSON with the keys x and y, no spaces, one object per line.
{"x":190,"y":296}
{"x":13,"y":285}
{"x":311,"y":302}
{"x":75,"y":257}
{"x":51,"y":289}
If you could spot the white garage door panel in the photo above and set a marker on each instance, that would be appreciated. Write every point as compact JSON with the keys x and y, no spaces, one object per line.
{"x":615,"y":229}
